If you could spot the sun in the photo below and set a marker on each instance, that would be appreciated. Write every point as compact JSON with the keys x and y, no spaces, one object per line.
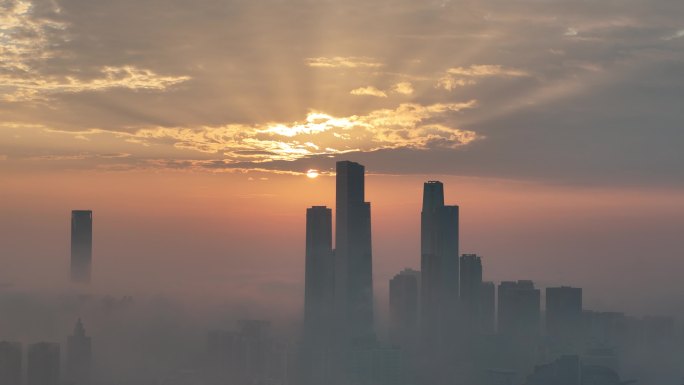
{"x":312,"y":174}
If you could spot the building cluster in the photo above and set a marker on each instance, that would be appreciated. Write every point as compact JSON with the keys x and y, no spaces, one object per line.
{"x":44,"y":362}
{"x":447,"y":325}
{"x":248,"y":355}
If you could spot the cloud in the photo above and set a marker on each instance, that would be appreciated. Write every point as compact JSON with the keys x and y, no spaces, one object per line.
{"x":76,"y":68}
{"x":483,"y":70}
{"x":24,"y":39}
{"x":28,"y":41}
{"x":450,"y":83}
{"x":571,"y":32}
{"x":465,"y":76}
{"x":408,"y":126}
{"x":369,"y":91}
{"x":676,"y":35}
{"x":343,"y":62}
{"x":404,"y":88}
{"x":128,"y":77}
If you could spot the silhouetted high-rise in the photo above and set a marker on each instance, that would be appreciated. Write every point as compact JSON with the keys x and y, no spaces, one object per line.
{"x":10,"y":363}
{"x":353,"y":256}
{"x":563,"y":312}
{"x":471,"y":284}
{"x":79,"y":356}
{"x":403,"y":302}
{"x":519,"y":309}
{"x":439,"y":264}
{"x":43,"y":364}
{"x":319,"y":269}
{"x":81,"y":245}
{"x":318,"y":297}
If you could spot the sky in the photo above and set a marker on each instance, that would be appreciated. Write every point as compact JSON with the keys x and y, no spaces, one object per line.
{"x":188,"y":127}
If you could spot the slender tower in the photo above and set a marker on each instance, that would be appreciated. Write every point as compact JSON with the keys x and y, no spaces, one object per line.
{"x":81,"y":245}
{"x":439,"y":267}
{"x":318,"y":332}
{"x":353,"y":256}
{"x":319,"y":273}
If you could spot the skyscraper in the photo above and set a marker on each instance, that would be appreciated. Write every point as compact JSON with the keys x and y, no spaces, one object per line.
{"x":519,"y":322}
{"x":319,"y":271}
{"x":43,"y":364}
{"x":79,"y":356}
{"x":353,"y":256}
{"x":471,"y":285}
{"x":563,"y":313}
{"x":403,"y":302}
{"x":10,"y":363}
{"x":519,"y":309}
{"x":81,"y":245}
{"x":439,"y":264}
{"x":318,"y":297}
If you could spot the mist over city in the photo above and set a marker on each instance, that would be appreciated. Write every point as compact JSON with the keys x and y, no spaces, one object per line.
{"x":341,"y":192}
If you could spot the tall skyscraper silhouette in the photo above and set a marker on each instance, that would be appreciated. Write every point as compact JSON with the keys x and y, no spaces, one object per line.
{"x":81,"y":245}
{"x":319,"y":272}
{"x":10,"y":363}
{"x":318,"y":331}
{"x":563,"y":313}
{"x":353,"y":256}
{"x":404,"y":311}
{"x":43,"y":364}
{"x":79,"y":356}
{"x":439,"y":265}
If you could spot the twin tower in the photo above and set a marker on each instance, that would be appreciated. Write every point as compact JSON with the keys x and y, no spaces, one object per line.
{"x":339,"y":282}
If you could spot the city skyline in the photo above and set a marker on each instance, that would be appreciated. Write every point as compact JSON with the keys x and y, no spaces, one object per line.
{"x":441,"y":317}
{"x":553,"y":122}
{"x":341,"y":192}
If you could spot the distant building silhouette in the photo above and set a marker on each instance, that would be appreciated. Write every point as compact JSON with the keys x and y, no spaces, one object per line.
{"x":471,"y":286}
{"x":353,"y":256}
{"x":10,"y":363}
{"x":519,"y":309}
{"x":375,"y":365}
{"x":81,"y":245}
{"x":487,"y":308}
{"x":439,"y":265}
{"x":43,"y":364}
{"x":404,"y":309}
{"x":79,"y":356}
{"x":564,"y":314}
{"x":249,"y":355}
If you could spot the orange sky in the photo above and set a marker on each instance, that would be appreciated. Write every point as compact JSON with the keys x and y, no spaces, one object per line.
{"x":555,"y":125}
{"x":240,"y":237}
